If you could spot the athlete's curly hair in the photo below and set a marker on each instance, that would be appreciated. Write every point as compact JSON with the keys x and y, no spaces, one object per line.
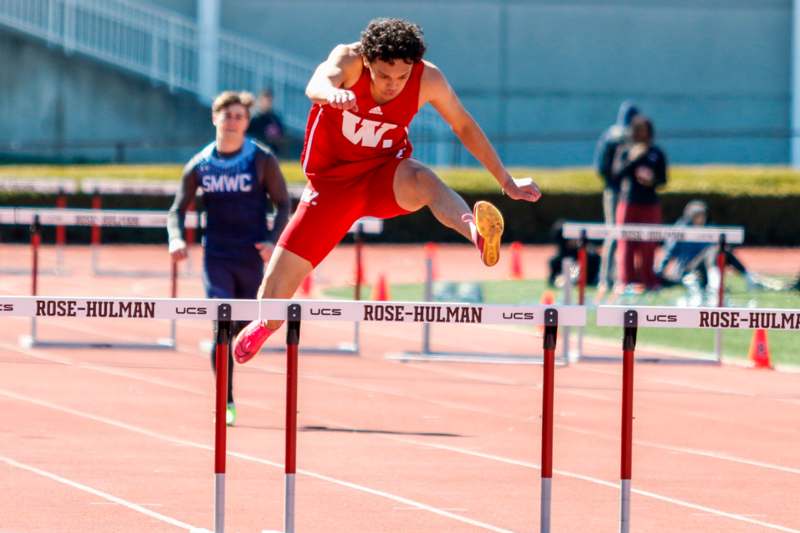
{"x":392,"y":39}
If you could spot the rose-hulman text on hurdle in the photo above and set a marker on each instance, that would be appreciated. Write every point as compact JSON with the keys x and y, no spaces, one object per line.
{"x":294,"y":311}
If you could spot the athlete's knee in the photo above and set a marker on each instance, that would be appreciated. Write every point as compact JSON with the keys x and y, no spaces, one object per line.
{"x":424,"y":183}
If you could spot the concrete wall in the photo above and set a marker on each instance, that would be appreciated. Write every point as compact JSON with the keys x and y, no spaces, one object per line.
{"x":49,"y":99}
{"x":548,"y":75}
{"x":543,"y":77}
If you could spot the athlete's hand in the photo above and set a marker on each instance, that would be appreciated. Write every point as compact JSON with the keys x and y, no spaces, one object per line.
{"x":343,"y":99}
{"x":177,"y":249}
{"x":265,"y":250}
{"x":637,"y":151}
{"x":522,"y":189}
{"x":645,"y":176}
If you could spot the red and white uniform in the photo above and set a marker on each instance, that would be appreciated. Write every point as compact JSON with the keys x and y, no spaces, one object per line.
{"x":350,"y":158}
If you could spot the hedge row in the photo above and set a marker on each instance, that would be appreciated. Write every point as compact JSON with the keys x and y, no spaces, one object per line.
{"x":698,"y":179}
{"x":768,"y":220}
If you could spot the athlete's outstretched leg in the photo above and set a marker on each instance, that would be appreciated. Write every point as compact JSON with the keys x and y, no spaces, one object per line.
{"x":416,"y":186}
{"x":285,"y":273}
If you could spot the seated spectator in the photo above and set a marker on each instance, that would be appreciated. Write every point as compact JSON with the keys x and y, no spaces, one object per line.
{"x":692,"y":262}
{"x":569,"y":248}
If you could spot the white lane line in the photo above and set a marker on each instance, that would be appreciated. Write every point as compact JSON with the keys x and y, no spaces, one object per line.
{"x":689,"y":451}
{"x":604,"y":483}
{"x":168,"y":384}
{"x":252,"y":458}
{"x":96,"y":492}
{"x":679,"y":449}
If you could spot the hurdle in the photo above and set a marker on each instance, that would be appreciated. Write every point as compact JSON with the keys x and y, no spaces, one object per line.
{"x":59,"y":187}
{"x":631,"y":318}
{"x":96,"y":219}
{"x":720,"y":235}
{"x":115,"y":187}
{"x":52,"y":217}
{"x":97,"y":188}
{"x":428,"y":354}
{"x":295,"y":311}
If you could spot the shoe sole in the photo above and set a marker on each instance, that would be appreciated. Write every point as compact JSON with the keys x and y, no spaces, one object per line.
{"x":490,"y":225}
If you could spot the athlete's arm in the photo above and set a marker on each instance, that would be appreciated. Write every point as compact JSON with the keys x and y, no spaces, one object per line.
{"x":436,"y":90}
{"x":328,"y":84}
{"x":274,"y":183}
{"x":177,"y":213}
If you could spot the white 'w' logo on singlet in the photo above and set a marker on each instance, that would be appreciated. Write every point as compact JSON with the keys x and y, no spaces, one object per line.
{"x":370,"y":132}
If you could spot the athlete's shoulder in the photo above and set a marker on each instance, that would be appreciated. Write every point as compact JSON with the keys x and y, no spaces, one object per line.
{"x":433,"y":82}
{"x":432,"y":75}
{"x":261,"y":151}
{"x":200,"y":157}
{"x":350,"y":52}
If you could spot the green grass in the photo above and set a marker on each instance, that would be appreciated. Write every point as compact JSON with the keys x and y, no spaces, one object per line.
{"x":784,"y":346}
{"x":732,"y":180}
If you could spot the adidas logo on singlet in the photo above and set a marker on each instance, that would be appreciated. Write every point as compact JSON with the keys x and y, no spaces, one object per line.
{"x":376,"y":110}
{"x":309,"y":196}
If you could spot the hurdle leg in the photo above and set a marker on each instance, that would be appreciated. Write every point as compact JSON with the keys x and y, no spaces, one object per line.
{"x":36,"y":241}
{"x":548,"y":386}
{"x":95,"y":236}
{"x":292,"y":343}
{"x":626,"y":463}
{"x":721,"y":264}
{"x":173,"y":293}
{"x":223,"y":335}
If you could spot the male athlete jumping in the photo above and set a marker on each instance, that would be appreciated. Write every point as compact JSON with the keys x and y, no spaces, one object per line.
{"x":357,"y":158}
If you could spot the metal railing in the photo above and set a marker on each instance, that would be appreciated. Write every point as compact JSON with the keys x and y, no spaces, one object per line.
{"x":163,"y":46}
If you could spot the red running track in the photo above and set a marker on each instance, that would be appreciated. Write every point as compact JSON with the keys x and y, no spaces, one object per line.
{"x":122,"y":441}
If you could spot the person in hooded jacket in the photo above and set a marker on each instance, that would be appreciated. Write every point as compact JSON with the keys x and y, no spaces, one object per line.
{"x":611,"y":139}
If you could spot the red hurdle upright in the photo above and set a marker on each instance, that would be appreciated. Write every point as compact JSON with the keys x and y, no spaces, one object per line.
{"x":548,"y":387}
{"x":290,"y":469}
{"x":626,"y":462}
{"x":36,"y":240}
{"x":223,"y":335}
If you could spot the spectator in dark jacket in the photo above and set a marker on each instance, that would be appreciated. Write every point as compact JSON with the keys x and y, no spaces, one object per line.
{"x":640,"y":167}
{"x":266,"y":126}
{"x":607,"y":145}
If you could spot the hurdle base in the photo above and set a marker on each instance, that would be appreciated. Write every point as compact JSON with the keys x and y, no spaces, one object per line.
{"x":468,"y":357}
{"x":649,"y":360}
{"x":343,"y":348}
{"x":27,"y":341}
{"x":152,"y":274}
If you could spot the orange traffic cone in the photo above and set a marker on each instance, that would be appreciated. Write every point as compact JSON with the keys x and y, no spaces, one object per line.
{"x":759,"y":350}
{"x":305,"y":287}
{"x":547,"y":299}
{"x":380,"y":291}
{"x":516,"y":260}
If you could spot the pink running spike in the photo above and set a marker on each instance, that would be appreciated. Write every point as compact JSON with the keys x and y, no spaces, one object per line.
{"x":249,"y":341}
